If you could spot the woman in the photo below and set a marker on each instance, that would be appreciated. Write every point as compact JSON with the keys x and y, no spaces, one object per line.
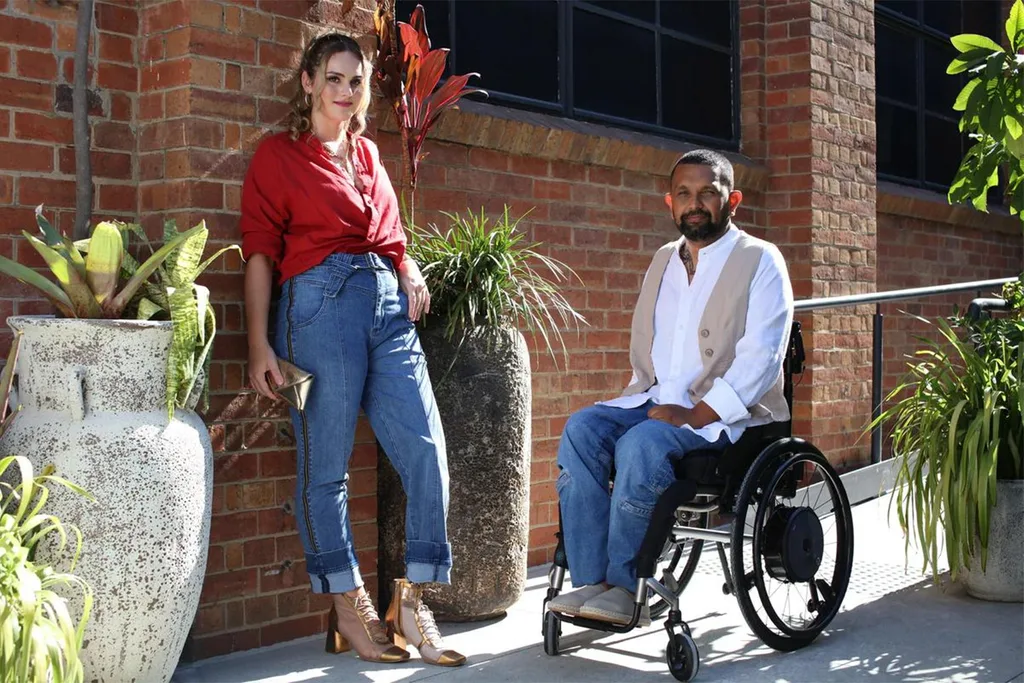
{"x":318,"y":207}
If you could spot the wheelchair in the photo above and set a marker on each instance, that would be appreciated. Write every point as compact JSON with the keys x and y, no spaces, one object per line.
{"x":778,"y":501}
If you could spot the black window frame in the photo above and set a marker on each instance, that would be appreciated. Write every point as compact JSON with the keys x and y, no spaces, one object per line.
{"x":922,"y":33}
{"x":566,"y":107}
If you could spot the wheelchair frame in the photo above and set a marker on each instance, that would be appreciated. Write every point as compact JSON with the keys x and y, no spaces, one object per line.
{"x":728,"y":482}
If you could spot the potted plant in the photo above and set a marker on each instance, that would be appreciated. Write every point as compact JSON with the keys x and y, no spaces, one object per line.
{"x":486,"y":282}
{"x":958,"y":437}
{"x":107,"y":388}
{"x":39,"y":639}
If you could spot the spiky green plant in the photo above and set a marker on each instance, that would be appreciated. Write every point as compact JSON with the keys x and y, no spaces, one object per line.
{"x":482,"y":273}
{"x":957,"y":430}
{"x":39,"y":640}
{"x":99,"y":278}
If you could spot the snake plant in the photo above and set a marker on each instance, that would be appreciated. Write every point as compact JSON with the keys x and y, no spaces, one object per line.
{"x":39,"y":640}
{"x":957,"y":430}
{"x":98,"y":277}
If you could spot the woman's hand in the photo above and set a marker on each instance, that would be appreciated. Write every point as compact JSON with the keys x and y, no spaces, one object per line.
{"x":415,"y":287}
{"x":262,"y":360}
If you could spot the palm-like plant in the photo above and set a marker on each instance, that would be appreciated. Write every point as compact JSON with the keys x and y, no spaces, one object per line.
{"x":39,"y":640}
{"x":484,"y":274}
{"x":957,"y":430}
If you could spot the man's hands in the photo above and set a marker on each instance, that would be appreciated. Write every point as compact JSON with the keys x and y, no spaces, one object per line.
{"x":415,"y":287}
{"x":701,"y":415}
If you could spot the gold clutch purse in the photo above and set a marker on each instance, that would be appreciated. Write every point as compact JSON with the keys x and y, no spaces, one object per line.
{"x":295,"y":388}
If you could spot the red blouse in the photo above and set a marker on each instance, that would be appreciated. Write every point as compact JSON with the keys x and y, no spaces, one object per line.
{"x":297,"y":207}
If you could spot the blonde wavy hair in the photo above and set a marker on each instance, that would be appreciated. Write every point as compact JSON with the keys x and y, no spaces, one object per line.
{"x":314,"y":63}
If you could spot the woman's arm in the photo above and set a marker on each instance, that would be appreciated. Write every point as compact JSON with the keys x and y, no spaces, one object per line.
{"x":259,"y":275}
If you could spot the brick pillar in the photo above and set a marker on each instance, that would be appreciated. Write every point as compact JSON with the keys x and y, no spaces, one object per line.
{"x":820,"y":150}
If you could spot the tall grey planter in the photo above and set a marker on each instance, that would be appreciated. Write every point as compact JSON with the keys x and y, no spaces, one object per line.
{"x":1003,"y":578}
{"x":484,"y":398}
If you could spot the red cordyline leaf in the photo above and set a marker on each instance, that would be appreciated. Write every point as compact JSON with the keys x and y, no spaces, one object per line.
{"x":418,"y":20}
{"x":431,"y":68}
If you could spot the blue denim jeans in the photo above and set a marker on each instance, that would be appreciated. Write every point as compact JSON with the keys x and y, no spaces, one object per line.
{"x":346,"y":321}
{"x":603,"y":531}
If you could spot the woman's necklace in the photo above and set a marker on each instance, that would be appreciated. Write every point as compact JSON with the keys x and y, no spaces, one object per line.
{"x":342,"y":160}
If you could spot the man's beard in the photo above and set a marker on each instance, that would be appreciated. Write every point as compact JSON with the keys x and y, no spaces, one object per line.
{"x":703,"y":232}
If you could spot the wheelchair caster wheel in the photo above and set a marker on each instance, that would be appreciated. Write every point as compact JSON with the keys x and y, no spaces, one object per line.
{"x":682,"y":657}
{"x":552,"y":633}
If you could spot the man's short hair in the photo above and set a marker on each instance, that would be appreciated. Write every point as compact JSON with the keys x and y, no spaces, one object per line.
{"x":721,"y":166}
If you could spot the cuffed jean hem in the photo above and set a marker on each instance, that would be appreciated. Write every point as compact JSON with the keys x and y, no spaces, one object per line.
{"x":418,"y":572}
{"x":341,"y":581}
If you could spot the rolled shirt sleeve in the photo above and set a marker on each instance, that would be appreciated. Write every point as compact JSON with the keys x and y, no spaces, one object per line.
{"x":263,"y":215}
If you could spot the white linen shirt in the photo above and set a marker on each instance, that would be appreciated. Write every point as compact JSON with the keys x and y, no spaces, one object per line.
{"x":677,"y":362}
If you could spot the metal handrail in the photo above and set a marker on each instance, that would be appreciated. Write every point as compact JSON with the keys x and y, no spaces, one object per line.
{"x":878,"y":298}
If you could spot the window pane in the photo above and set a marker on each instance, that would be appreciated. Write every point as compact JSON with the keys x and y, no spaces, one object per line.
{"x":897,"y":141}
{"x":696,"y":89}
{"x":489,"y":40}
{"x":710,"y":20}
{"x":638,"y":9}
{"x":896,"y":60}
{"x":908,"y":8}
{"x":942,"y":142}
{"x":940,"y":89}
{"x":436,"y":14}
{"x":943,"y":15}
{"x":985,"y":17}
{"x":613,"y":67}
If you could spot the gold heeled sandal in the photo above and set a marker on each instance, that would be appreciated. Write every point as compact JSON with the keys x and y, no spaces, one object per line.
{"x":410,"y":621}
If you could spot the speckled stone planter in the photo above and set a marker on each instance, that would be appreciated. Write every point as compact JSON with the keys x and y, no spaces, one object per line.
{"x":1003,"y":578}
{"x":484,"y":399}
{"x":92,"y":405}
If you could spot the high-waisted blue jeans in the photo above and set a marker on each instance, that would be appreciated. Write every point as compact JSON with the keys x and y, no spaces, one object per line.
{"x":603,"y":530}
{"x":346,"y":321}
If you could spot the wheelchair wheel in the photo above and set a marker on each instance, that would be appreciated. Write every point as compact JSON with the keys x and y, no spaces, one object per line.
{"x":801,"y":554}
{"x":552,"y":633}
{"x":683,"y":558}
{"x":682,"y":657}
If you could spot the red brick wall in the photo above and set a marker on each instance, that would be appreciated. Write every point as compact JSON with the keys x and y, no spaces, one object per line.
{"x":187,"y":87}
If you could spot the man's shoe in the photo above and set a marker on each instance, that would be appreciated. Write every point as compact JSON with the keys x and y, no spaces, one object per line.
{"x":570,"y":603}
{"x":614,"y":606}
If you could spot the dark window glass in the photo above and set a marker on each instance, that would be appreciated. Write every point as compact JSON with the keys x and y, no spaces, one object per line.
{"x":943,"y":150}
{"x":897,"y":64}
{"x":696,"y":88}
{"x":709,"y":20}
{"x":944,"y":15}
{"x":921,"y":143}
{"x":940,"y":88}
{"x":908,"y":8}
{"x":489,"y":41}
{"x":638,"y":9}
{"x":897,"y":140}
{"x":436,"y":14}
{"x":605,"y":82}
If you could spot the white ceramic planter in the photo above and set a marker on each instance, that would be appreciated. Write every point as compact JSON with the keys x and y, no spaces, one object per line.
{"x":1003,"y":578}
{"x":92,"y":405}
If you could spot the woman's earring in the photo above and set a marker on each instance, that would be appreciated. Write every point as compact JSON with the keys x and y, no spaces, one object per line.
{"x":309,"y":101}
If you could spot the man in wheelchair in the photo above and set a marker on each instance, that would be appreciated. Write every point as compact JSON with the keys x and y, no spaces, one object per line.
{"x":709,"y":335}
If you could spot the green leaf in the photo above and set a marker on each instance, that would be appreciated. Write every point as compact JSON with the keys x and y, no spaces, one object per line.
{"x":1015,"y":25}
{"x":182,"y":270}
{"x":50,"y":234}
{"x":967,"y":60}
{"x":117,"y":304}
{"x":967,"y":42}
{"x":965,"y":94}
{"x":26,"y":275}
{"x":77,"y":289}
{"x":1013,"y":126}
{"x":103,"y":265}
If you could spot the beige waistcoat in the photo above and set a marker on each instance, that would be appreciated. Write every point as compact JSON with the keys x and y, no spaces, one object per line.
{"x":721,"y":326}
